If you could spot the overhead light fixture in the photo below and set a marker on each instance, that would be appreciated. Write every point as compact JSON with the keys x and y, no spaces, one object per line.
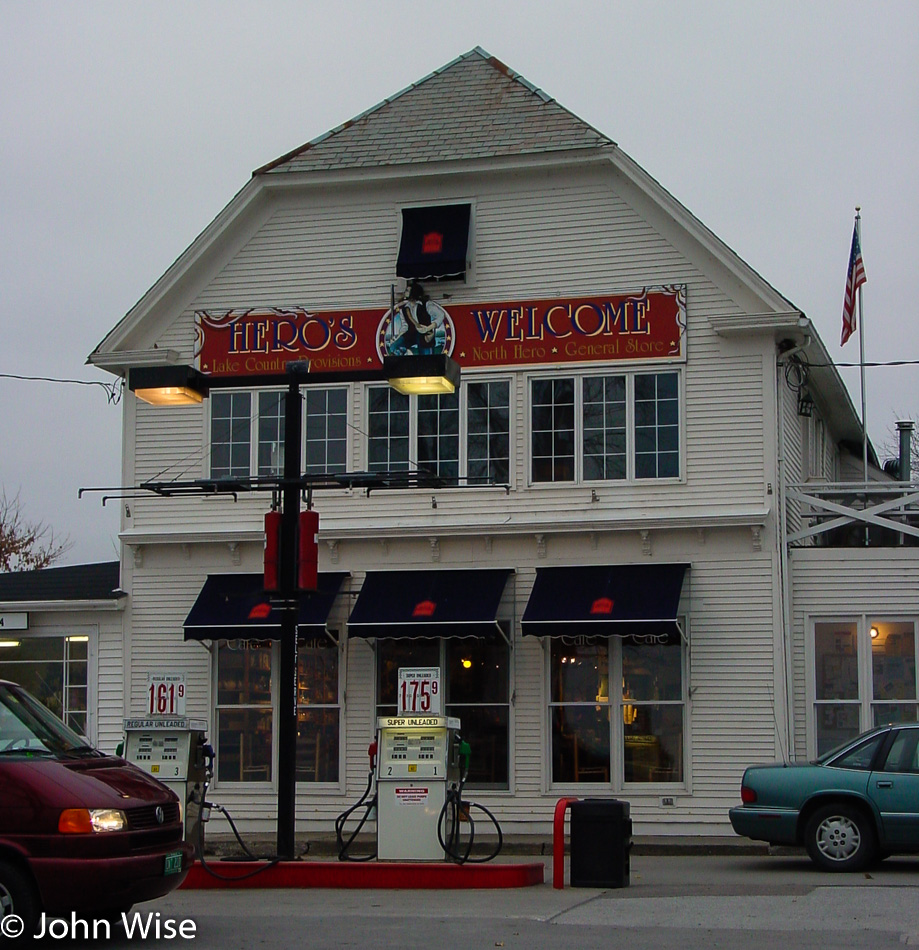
{"x":81,"y":639}
{"x":427,"y":375}
{"x":168,"y":385}
{"x":9,"y":643}
{"x":875,"y":633}
{"x":467,"y":663}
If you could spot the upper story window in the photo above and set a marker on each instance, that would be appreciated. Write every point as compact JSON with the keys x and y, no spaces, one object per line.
{"x":609,"y":427}
{"x":247,"y":432}
{"x":464,"y":434}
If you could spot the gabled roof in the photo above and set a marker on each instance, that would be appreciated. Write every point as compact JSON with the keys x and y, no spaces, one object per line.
{"x":473,"y":107}
{"x":79,"y":582}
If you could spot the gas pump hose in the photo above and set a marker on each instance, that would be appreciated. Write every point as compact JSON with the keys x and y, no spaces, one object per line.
{"x":344,"y":846}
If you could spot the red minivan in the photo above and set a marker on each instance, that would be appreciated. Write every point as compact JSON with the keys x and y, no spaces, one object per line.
{"x":80,"y":831}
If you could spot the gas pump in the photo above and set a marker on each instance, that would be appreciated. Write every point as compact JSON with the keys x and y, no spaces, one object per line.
{"x":417,"y":759}
{"x":175,"y":752}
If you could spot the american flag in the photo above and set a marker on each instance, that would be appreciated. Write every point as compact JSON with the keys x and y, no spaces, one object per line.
{"x":854,"y":279}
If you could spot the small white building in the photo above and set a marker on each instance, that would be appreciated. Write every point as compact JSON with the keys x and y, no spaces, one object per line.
{"x":595,"y":550}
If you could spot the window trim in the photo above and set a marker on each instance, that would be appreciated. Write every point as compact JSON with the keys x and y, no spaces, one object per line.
{"x":463,"y":438}
{"x":617,"y":782}
{"x":579,"y":375}
{"x":254,"y":416}
{"x":865,"y":701}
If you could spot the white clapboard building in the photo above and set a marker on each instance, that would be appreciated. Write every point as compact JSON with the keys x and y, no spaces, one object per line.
{"x":632,"y":541}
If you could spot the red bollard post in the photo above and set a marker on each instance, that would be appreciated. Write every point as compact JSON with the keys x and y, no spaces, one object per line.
{"x":558,"y":842}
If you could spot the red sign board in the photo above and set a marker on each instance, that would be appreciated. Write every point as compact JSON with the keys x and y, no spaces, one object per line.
{"x":649,"y":325}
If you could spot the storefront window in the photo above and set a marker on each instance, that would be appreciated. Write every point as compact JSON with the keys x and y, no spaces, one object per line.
{"x":580,"y":712}
{"x":318,"y":711}
{"x":652,"y":709}
{"x":642,"y":677}
{"x":271,"y":433}
{"x":244,"y":711}
{"x":231,"y":435}
{"x":477,"y":694}
{"x":864,"y":675}
{"x":476,"y":687}
{"x":54,"y":670}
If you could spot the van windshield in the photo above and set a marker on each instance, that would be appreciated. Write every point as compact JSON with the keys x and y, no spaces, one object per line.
{"x":29,"y":728}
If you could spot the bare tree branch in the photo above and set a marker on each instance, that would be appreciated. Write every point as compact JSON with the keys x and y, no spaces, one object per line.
{"x":26,"y":545}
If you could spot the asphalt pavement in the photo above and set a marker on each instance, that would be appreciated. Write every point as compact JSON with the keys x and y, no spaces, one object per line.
{"x":738,"y":901}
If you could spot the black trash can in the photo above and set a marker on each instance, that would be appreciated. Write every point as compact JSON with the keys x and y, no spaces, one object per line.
{"x":601,"y":839}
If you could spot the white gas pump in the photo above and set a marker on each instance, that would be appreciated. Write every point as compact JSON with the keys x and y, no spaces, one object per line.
{"x":417,"y":759}
{"x":174,"y":751}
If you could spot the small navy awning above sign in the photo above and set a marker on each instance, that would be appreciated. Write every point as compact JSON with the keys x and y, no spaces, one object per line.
{"x":434,"y":242}
{"x":429,"y":604}
{"x":624,"y":600}
{"x":237,"y":607}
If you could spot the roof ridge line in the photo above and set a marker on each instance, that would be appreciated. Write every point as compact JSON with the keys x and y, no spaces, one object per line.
{"x":493,"y":61}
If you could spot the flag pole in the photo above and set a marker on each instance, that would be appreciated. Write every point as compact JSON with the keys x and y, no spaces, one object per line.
{"x":861,"y":348}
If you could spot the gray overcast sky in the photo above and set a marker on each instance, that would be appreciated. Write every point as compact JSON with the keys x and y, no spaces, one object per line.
{"x":126,"y":127}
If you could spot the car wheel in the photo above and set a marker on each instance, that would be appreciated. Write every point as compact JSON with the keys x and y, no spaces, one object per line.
{"x":19,"y":898}
{"x":840,"y":838}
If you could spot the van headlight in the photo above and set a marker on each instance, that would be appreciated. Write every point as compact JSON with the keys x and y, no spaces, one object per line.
{"x":81,"y":821}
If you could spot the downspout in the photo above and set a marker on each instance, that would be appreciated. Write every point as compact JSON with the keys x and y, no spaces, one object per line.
{"x":785,"y":740}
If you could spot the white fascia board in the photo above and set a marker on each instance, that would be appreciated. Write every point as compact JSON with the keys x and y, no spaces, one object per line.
{"x":62,"y":606}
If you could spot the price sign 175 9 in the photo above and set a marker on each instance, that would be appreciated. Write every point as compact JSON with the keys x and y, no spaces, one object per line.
{"x":419,"y":692}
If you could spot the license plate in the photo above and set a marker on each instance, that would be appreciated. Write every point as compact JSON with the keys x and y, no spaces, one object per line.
{"x":173,"y":863}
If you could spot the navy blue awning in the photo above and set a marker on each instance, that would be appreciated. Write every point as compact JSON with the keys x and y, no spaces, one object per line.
{"x":429,"y":604}
{"x":613,"y":600}
{"x":237,"y":607}
{"x":434,"y":242}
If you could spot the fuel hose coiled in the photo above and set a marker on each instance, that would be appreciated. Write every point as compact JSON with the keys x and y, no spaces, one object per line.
{"x":457,"y":810}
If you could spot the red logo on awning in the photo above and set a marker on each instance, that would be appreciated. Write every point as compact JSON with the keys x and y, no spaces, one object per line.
{"x":425,"y":609}
{"x":432,"y":243}
{"x":602,"y":605}
{"x":260,"y":612}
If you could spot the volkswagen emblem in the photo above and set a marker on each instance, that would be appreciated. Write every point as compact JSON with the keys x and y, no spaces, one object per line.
{"x":160,"y":814}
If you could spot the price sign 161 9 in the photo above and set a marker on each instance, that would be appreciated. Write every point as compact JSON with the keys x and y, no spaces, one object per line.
{"x":419,"y":692}
{"x":165,"y":695}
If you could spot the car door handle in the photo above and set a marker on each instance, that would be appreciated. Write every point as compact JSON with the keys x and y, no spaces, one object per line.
{"x":885,"y":784}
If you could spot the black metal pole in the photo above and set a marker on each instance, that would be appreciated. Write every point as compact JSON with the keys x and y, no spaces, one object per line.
{"x":287,"y":701}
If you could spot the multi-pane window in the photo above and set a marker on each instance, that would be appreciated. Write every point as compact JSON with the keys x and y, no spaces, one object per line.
{"x":326,"y":414}
{"x":438,"y":435}
{"x":488,"y":432}
{"x":604,"y":427}
{"x":476,"y":689}
{"x":657,"y":426}
{"x":54,"y":670}
{"x":553,"y":430}
{"x":271,"y":433}
{"x":610,"y":427}
{"x":387,"y":430}
{"x":244,"y":711}
{"x":231,"y":435}
{"x":433,"y":433}
{"x":318,"y":711}
{"x":616,"y":709}
{"x":247,"y":432}
{"x":864,"y":675}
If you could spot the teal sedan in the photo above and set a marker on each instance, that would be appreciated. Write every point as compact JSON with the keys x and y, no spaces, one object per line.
{"x":849,"y":808}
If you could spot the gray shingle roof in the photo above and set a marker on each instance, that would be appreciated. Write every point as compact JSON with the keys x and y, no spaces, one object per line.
{"x":79,"y":582}
{"x":474,"y":107}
